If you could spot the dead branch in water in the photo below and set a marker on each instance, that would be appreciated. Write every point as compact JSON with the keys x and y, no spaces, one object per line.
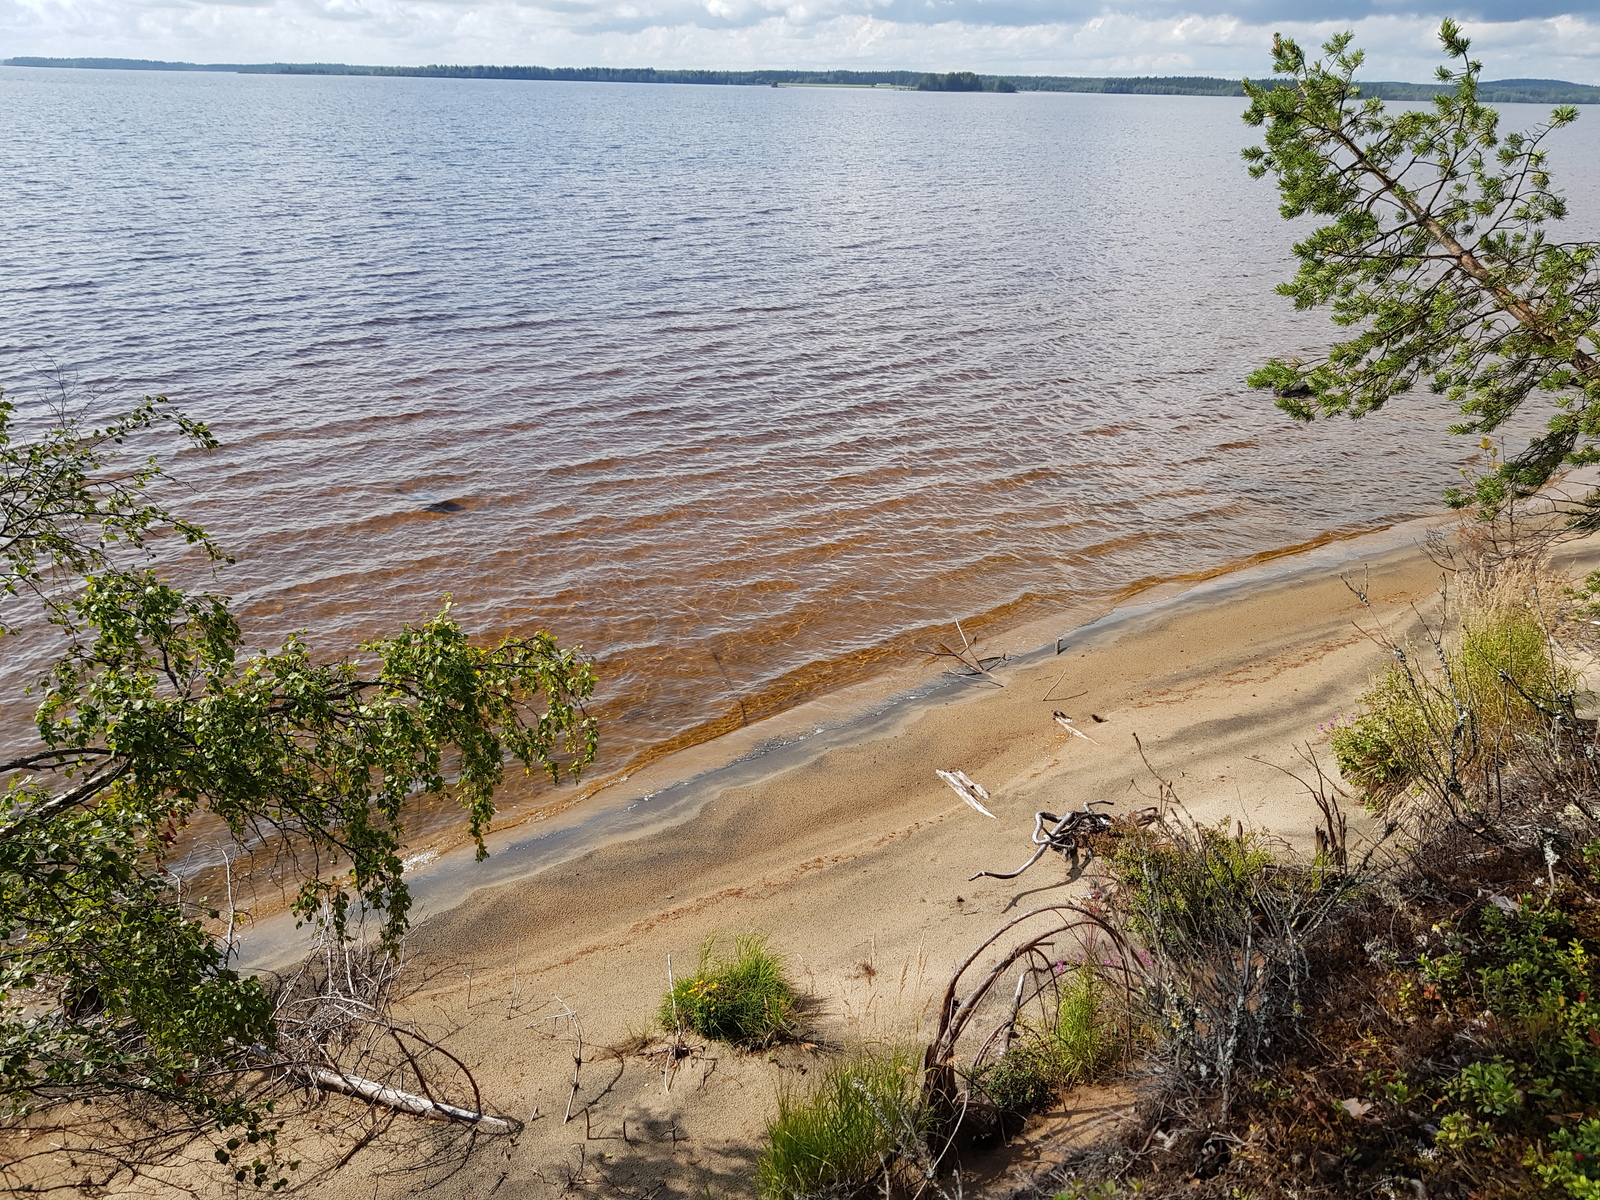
{"x":969,"y":661}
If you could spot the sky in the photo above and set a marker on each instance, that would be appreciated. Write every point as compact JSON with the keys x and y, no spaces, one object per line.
{"x":1547,"y":39}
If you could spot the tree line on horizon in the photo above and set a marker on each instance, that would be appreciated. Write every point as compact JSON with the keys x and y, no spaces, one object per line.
{"x":1503,"y":91}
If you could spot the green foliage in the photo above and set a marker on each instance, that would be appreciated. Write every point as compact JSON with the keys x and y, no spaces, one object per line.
{"x":1108,"y":1189}
{"x":1587,"y":594}
{"x":64,"y":507}
{"x":1083,"y":1038}
{"x":1435,"y":254}
{"x":1417,"y":721}
{"x":156,"y":706}
{"x":1488,"y":1087}
{"x":111,"y":985}
{"x":840,"y":1137}
{"x":743,"y":997}
{"x":1527,"y":977}
{"x":1182,"y":892}
{"x":955,"y":81}
{"x":1572,"y":1164}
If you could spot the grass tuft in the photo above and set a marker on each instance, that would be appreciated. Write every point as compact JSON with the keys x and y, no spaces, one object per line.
{"x":742,"y":997}
{"x":1084,"y":1037}
{"x":844,"y":1135}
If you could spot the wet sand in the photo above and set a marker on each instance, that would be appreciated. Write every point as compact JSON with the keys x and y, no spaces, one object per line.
{"x":855,"y":861}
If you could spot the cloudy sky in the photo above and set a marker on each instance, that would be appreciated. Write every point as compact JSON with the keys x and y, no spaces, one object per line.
{"x":1516,"y":38}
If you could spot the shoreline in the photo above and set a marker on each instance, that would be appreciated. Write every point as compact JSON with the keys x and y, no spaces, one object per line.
{"x":673,"y":790}
{"x":855,"y":860}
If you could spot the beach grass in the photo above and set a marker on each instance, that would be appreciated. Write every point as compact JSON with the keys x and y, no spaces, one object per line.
{"x":848,"y":1130}
{"x":741,"y":995}
{"x":1083,"y":1037}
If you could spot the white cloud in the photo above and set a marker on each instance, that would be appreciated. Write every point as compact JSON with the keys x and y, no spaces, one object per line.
{"x":1158,"y":37}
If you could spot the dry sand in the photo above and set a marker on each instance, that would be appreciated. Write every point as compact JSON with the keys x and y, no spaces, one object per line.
{"x":855,"y":862}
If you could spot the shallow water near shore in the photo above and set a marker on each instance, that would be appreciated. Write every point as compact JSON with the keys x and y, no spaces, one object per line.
{"x":675,"y":789}
{"x":751,"y":392}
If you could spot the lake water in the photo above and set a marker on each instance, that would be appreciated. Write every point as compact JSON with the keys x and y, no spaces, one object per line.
{"x":748,"y":391}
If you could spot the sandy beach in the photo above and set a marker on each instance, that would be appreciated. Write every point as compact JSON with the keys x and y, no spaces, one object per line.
{"x":855,"y":861}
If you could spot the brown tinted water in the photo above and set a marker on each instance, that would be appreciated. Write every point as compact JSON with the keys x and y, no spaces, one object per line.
{"x":750,"y":392}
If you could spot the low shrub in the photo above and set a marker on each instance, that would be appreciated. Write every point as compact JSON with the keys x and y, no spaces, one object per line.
{"x":1180,"y":890}
{"x":1417,"y":722}
{"x":849,"y":1131}
{"x":1572,"y":1164}
{"x":742,"y":997}
{"x":1084,"y":1037}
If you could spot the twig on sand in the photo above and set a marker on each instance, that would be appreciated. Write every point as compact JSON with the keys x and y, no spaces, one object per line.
{"x":568,"y":1014}
{"x":1065,"y":722}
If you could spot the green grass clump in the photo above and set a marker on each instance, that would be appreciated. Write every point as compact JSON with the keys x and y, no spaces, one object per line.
{"x":1085,"y":1036}
{"x":743,"y":997}
{"x":1408,"y":718}
{"x":839,"y":1138}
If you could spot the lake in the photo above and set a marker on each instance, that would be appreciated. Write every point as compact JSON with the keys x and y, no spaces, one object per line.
{"x":751,"y":392}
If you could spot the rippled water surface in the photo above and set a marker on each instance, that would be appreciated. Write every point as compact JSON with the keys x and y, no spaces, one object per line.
{"x":742,"y":389}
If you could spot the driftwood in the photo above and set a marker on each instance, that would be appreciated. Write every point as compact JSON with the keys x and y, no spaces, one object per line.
{"x":979,"y":1015}
{"x":1066,"y":835}
{"x":379,"y":1093}
{"x":1065,"y":722}
{"x":972,"y":794}
{"x":336,"y":1031}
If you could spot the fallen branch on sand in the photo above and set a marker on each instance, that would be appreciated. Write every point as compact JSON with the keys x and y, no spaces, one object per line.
{"x":1067,"y":835}
{"x":969,"y":791}
{"x":1065,"y":722}
{"x":379,"y":1093}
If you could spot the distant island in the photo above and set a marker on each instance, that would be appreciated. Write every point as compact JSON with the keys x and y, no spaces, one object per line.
{"x":1497,"y":91}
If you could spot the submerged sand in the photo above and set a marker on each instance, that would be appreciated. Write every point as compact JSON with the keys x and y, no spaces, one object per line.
{"x":855,"y":862}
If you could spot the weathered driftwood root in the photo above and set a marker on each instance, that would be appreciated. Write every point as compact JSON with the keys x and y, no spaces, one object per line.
{"x":379,"y":1093}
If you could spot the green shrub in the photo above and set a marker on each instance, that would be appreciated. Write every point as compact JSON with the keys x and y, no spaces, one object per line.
{"x":840,"y":1138}
{"x":1573,"y":1163}
{"x":1403,"y":732}
{"x":743,"y":997}
{"x":1084,"y":1036}
{"x":1181,"y":890}
{"x":1531,"y":973}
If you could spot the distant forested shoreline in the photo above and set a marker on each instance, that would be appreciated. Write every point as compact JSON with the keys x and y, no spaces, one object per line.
{"x":1498,"y":91}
